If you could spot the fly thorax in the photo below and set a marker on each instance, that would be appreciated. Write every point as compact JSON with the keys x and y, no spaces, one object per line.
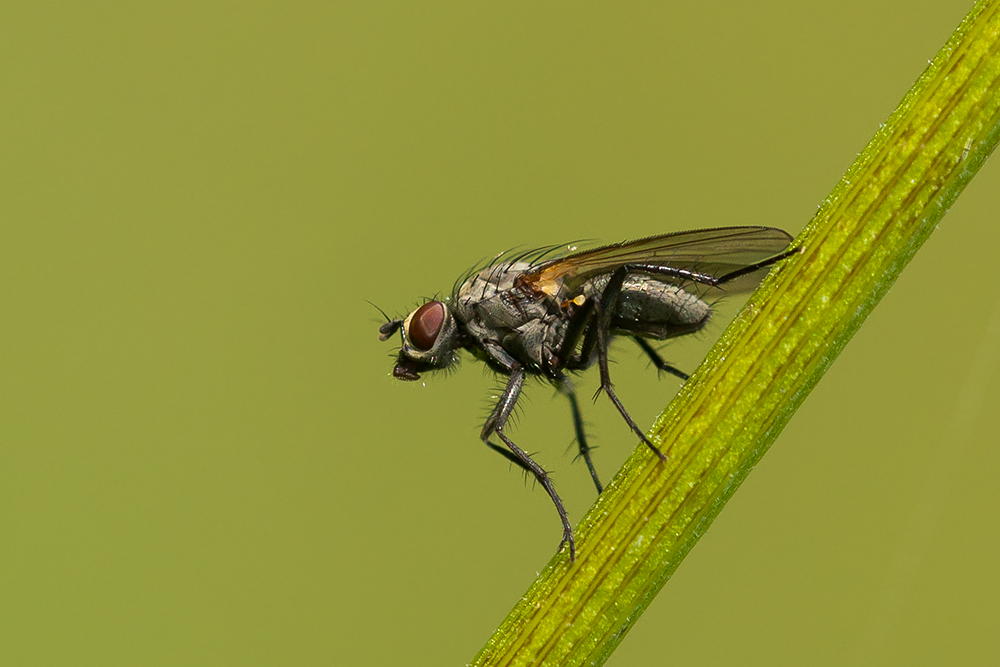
{"x":491,"y":300}
{"x":528,"y":342}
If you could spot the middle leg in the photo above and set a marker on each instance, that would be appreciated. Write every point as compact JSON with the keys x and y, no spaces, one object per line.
{"x":566,"y":388}
{"x":604,"y":308}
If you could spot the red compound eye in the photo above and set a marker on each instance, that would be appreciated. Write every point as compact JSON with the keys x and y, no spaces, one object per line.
{"x":425,"y":325}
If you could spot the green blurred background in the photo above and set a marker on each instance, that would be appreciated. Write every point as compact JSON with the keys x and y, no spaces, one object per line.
{"x":204,"y":458}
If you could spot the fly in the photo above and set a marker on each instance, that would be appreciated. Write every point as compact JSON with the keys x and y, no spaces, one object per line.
{"x":546,"y":317}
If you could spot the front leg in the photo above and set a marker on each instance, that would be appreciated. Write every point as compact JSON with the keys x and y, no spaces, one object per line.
{"x":496,"y":424}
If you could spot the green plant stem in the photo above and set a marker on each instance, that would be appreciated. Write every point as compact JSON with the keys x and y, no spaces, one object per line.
{"x":766,"y":363}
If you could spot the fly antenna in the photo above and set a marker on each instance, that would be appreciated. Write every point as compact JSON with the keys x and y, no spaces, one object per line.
{"x":391,"y":325}
{"x":384,"y":314}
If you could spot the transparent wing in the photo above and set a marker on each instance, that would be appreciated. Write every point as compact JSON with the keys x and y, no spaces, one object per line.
{"x":709,"y":252}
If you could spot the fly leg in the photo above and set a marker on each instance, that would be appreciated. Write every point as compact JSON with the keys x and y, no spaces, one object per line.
{"x":600,"y":329}
{"x":706,"y":278}
{"x":507,"y":455}
{"x":763,"y":264}
{"x":657,"y":360}
{"x":496,"y":423}
{"x":566,"y":388}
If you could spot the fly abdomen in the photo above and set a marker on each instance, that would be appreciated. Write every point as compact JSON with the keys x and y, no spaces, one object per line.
{"x":656,"y":309}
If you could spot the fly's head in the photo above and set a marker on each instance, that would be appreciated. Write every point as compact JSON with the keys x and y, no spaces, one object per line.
{"x":430,"y":340}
